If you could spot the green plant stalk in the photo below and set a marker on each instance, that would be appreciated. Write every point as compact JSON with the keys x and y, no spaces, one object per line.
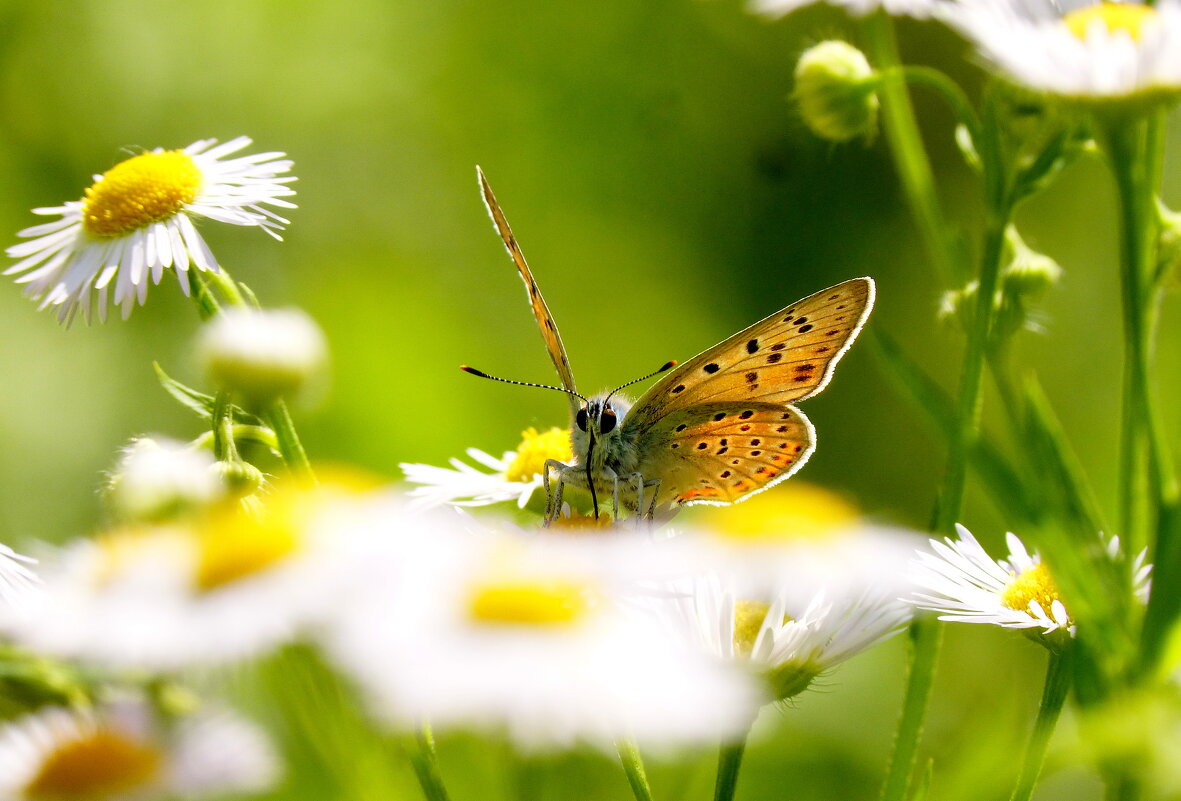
{"x":951,"y":93}
{"x":633,"y":766}
{"x":906,"y":148}
{"x":951,"y":497}
{"x":290,"y":448}
{"x":207,"y":306}
{"x":1058,"y":679}
{"x":729,"y":763}
{"x":926,"y":635}
{"x":426,"y":764}
{"x":225,"y":448}
{"x":1140,"y":474}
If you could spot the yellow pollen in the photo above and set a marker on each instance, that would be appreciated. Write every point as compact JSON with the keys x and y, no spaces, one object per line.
{"x":1128,"y":18}
{"x":549,"y":603}
{"x":1033,"y":584}
{"x":795,"y":512}
{"x":237,"y":544}
{"x":135,"y":193}
{"x":535,"y":449}
{"x":749,"y":617}
{"x":103,"y":764}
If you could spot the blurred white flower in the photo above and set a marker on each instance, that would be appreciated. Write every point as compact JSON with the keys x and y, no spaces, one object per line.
{"x":516,"y":475}
{"x":527,"y":635}
{"x":119,"y":751}
{"x":920,"y":9}
{"x":136,"y":222}
{"x":226,"y":587}
{"x":157,"y":478}
{"x":787,"y":638}
{"x":967,"y":585}
{"x":1077,"y":49}
{"x":16,"y":580}
{"x":262,"y":353}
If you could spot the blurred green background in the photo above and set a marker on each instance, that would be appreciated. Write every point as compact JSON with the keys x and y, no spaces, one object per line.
{"x":666,"y":194}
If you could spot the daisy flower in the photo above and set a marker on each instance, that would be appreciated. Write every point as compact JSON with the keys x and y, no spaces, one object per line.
{"x":16,"y":580}
{"x":789,"y":638}
{"x":515,"y":476}
{"x":967,"y":585}
{"x":207,"y":592}
{"x":120,"y":751}
{"x":808,"y":533}
{"x":527,"y":636}
{"x":920,"y":9}
{"x":1097,"y":51}
{"x":157,"y":478}
{"x":136,"y":222}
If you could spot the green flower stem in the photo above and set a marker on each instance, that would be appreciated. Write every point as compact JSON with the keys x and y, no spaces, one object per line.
{"x":225,"y":448}
{"x":951,"y":93}
{"x":290,"y":448}
{"x":207,"y":306}
{"x":729,"y":763}
{"x":426,"y":764}
{"x":633,"y":766}
{"x":1058,"y":679}
{"x":1127,"y":143}
{"x":906,"y":147}
{"x":951,"y":497}
{"x":926,"y":636}
{"x":227,"y":287}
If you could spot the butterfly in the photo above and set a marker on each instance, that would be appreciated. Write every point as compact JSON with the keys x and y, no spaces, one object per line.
{"x":716,"y":429}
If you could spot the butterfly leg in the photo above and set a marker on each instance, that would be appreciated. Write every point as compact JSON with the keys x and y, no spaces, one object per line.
{"x":553,"y":496}
{"x":640,"y":484}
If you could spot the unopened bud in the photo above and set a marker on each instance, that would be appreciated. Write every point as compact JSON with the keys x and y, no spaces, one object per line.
{"x":262,"y":354}
{"x":837,"y":92}
{"x":157,"y":479}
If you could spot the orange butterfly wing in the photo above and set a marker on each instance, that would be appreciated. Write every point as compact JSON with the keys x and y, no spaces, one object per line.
{"x":545,"y":320}
{"x":719,"y":427}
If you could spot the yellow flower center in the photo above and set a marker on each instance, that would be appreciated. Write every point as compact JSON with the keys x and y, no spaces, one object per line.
{"x":144,"y":189}
{"x":524,"y":602}
{"x":239,"y":544}
{"x":535,"y":449}
{"x":796,"y":512}
{"x":748,"y":622}
{"x":1033,"y":584}
{"x":1128,"y":18}
{"x":102,"y":764}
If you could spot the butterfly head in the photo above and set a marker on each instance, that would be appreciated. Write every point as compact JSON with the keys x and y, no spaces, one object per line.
{"x":599,"y":420}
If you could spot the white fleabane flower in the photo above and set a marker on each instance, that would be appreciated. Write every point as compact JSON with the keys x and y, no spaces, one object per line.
{"x":526,"y":635}
{"x":157,"y":478}
{"x":136,"y":222}
{"x":965,"y":584}
{"x":920,"y":9}
{"x":262,"y":354}
{"x":515,"y":477}
{"x":787,"y":638}
{"x":120,"y":751}
{"x":231,"y":585}
{"x":16,"y":580}
{"x":1078,"y":50}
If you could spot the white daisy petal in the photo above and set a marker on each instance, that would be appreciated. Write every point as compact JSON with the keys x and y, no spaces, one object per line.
{"x":137,"y":219}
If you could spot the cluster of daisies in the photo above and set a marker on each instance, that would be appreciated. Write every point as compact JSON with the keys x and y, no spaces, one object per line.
{"x":553,"y":638}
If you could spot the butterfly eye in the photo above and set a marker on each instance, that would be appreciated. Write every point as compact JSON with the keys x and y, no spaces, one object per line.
{"x":580,"y":419}
{"x":607,"y":420}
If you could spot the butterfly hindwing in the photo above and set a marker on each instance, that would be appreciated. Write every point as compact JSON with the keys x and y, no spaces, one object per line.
{"x":720,"y":452}
{"x":545,"y":320}
{"x":785,"y":357}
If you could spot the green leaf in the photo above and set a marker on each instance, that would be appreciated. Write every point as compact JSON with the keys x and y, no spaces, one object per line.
{"x":199,"y":402}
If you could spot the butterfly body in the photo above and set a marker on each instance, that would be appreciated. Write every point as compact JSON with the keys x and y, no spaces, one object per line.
{"x":717,"y":428}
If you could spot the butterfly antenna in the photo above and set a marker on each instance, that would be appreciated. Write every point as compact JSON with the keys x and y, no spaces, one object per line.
{"x":482,"y":374}
{"x":666,"y":366}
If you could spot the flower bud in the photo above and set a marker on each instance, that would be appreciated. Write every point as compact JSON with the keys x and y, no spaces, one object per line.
{"x":239,"y":478}
{"x":262,"y":354}
{"x":1028,"y":273}
{"x":157,"y":479}
{"x":1168,"y":244}
{"x":836,"y":90}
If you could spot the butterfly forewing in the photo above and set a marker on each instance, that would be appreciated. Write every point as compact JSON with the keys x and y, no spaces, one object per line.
{"x":785,"y":357}
{"x":720,"y":452}
{"x":545,"y":320}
